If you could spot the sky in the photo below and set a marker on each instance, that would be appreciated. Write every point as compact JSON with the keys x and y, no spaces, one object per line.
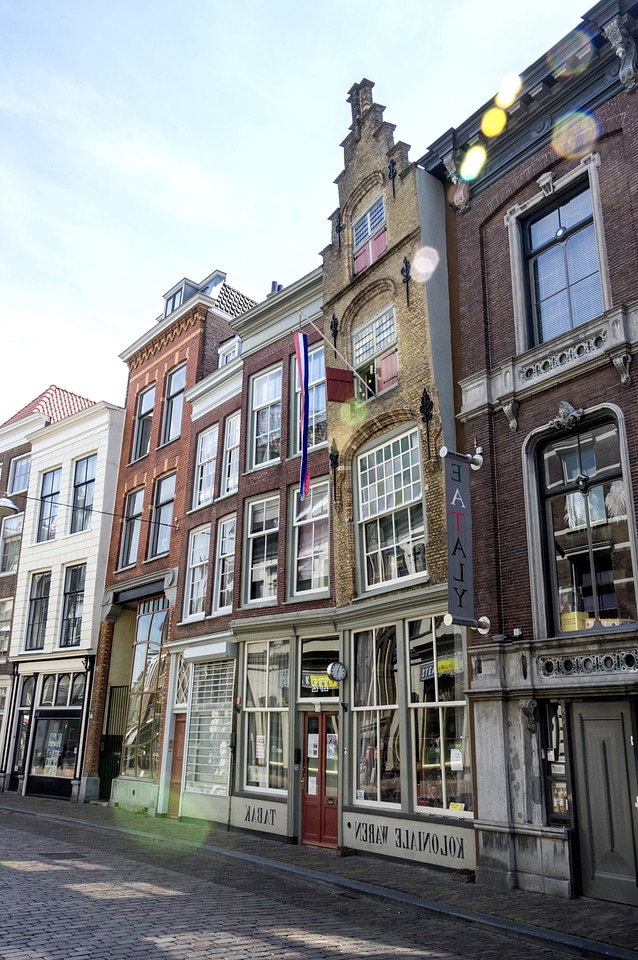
{"x":142,"y":141}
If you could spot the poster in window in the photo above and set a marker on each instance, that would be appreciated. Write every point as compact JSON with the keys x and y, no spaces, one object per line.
{"x":313,"y":745}
{"x":260,"y":747}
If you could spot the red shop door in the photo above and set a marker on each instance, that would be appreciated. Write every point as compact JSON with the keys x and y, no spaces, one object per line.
{"x":320,"y":808}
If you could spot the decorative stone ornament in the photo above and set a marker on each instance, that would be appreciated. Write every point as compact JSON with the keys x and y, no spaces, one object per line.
{"x":528,"y":707}
{"x":510,"y":410}
{"x":568,"y":417}
{"x":625,"y":49}
{"x":622,"y":364}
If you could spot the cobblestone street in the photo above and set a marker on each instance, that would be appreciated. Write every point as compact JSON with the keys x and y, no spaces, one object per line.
{"x":71,"y":892}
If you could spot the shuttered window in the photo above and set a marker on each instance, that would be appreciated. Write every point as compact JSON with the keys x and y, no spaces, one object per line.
{"x":210,"y":727}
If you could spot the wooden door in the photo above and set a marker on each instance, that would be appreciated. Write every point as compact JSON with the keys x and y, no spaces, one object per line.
{"x":177,"y":764}
{"x":606,"y":800}
{"x":320,"y":798}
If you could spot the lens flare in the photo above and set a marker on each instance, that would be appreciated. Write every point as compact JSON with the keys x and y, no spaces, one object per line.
{"x":572,"y":56}
{"x":493,"y":122}
{"x":473,"y":162}
{"x":575,"y":134}
{"x":424,"y":263}
{"x":353,"y":413}
{"x":508,"y":91}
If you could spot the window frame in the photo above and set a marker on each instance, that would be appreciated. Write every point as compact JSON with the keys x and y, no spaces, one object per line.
{"x":156,"y":545}
{"x":15,"y":537}
{"x":205,"y":467}
{"x":11,"y":487}
{"x":373,"y":231}
{"x":49,"y":505}
{"x":173,"y":404}
{"x":6,"y":619}
{"x":224,"y":564}
{"x":274,"y":407}
{"x":317,"y":413}
{"x":85,"y":509}
{"x":230,"y":465}
{"x":520,"y":214}
{"x":228,"y":352}
{"x":365,"y":516}
{"x":542,"y":618}
{"x":297,"y":525}
{"x":72,"y":599}
{"x":196,"y":586}
{"x":143,"y":422}
{"x":131,"y":522}
{"x":267,"y":711}
{"x":382,"y":348}
{"x":251,"y":539}
{"x":38,"y":610}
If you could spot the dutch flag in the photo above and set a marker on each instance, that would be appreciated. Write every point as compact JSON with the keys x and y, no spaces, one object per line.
{"x":301,"y":350}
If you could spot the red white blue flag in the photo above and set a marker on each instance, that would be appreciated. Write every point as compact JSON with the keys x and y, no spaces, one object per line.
{"x":301,"y":350}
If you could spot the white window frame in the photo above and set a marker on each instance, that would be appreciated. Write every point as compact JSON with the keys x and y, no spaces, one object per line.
{"x":372,"y":341}
{"x":368,"y":224}
{"x":271,"y":404}
{"x":307,"y":515}
{"x":373,"y":493}
{"x":263,"y":714}
{"x":83,"y":509}
{"x":197,"y":573}
{"x":133,"y":522}
{"x":515,"y":223}
{"x":173,"y":404}
{"x":253,"y":539}
{"x":161,"y":516}
{"x":205,"y":466}
{"x":75,"y":604}
{"x":230,"y":474}
{"x":225,"y":562}
{"x":36,"y":627}
{"x":17,"y":521}
{"x":13,"y":470}
{"x":317,"y":400}
{"x":6,"y":614}
{"x":49,"y":505}
{"x":143,"y":415}
{"x":229,"y":351}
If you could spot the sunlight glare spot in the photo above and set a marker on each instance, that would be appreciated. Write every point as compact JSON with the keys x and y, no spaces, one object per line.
{"x":473,"y":162}
{"x":508,"y":91}
{"x":424,"y":263}
{"x":575,"y":134}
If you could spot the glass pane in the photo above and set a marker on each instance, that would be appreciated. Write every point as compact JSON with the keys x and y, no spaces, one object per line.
{"x":257,"y":769}
{"x":367,"y":753}
{"x":77,"y":690}
{"x":449,"y":657}
{"x":332,"y":756}
{"x":312,"y":756}
{"x":278,"y":752}
{"x":364,"y":669}
{"x":456,"y":751}
{"x":55,"y":747}
{"x":278,"y":673}
{"x":256,"y":679}
{"x":62,"y":693}
{"x":544,"y":229}
{"x":386,"y":644}
{"x":428,"y":765}
{"x":389,"y":759}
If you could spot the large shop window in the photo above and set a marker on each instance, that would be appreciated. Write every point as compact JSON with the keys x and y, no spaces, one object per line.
{"x":210,"y":728}
{"x":266,"y":702}
{"x":439,"y":718}
{"x":266,"y":418}
{"x":369,"y":236}
{"x":312,"y":540}
{"x":141,"y":738}
{"x":56,"y":741}
{"x":588,"y":530}
{"x":376,"y":715}
{"x":563,"y":267}
{"x":317,"y":418}
{"x":391,"y":516}
{"x":375,"y":355}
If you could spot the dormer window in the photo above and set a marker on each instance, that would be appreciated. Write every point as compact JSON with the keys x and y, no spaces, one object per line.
{"x":174,"y":302}
{"x":369,"y":235}
{"x":229,"y":351}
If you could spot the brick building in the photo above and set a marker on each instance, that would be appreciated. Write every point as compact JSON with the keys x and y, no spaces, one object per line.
{"x":544,"y":245}
{"x":125,"y":739}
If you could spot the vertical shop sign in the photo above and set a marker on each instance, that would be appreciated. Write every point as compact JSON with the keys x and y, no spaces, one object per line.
{"x":459,"y":537}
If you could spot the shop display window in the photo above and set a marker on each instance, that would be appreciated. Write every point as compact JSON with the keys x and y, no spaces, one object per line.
{"x":315,"y":656}
{"x":376,"y":713}
{"x":266,"y":702}
{"x":55,"y":748}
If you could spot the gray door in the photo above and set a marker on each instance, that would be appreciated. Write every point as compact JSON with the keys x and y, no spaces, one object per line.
{"x":606,"y":800}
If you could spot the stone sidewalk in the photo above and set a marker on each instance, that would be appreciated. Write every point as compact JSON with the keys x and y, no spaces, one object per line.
{"x":589,"y":928}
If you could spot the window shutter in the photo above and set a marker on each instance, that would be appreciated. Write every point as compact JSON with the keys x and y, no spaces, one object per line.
{"x":387,"y":369}
{"x":362,"y":259}
{"x":379,"y":243}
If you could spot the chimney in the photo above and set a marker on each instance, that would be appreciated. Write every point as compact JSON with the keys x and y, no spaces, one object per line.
{"x":274,"y":288}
